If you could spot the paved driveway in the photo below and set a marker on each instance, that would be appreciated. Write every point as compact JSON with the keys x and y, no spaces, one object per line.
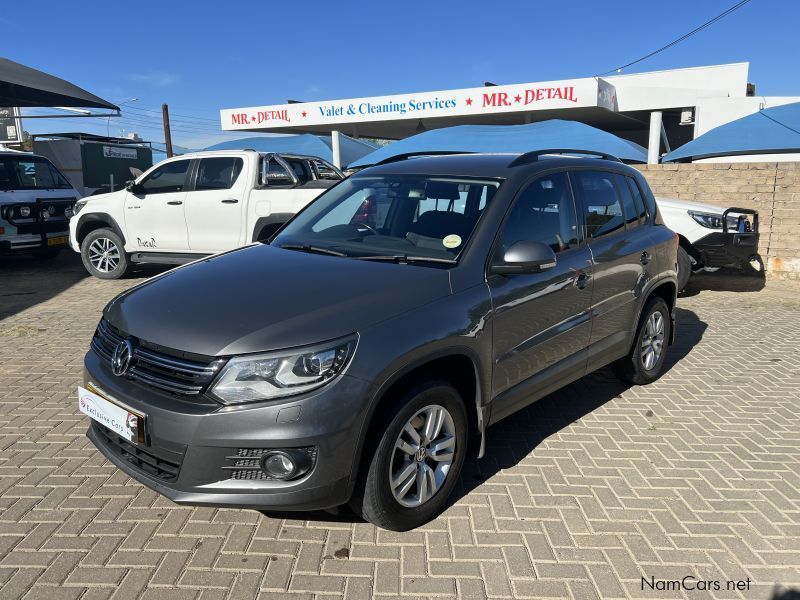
{"x":580,"y":496}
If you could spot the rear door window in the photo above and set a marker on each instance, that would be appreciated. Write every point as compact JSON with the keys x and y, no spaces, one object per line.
{"x":601,"y":204}
{"x":218,"y":173}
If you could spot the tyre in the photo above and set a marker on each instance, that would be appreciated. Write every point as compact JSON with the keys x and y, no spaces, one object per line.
{"x":103,"y":254}
{"x":684,"y":268}
{"x":645,"y":362}
{"x":416,"y":456}
{"x":46,"y":253}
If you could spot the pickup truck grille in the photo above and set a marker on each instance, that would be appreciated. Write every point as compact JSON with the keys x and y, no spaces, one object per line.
{"x":155,"y":369}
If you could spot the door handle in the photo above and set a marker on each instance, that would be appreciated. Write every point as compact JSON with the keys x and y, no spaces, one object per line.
{"x":645,"y":257}
{"x":175,"y":202}
{"x":230,"y":201}
{"x":582,"y":280}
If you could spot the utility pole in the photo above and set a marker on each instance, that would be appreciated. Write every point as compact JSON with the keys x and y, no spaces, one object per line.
{"x":167,"y":135}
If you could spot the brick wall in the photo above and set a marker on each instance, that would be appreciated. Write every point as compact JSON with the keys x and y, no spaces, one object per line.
{"x":771,"y":188}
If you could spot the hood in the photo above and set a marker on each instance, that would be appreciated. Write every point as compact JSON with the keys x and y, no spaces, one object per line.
{"x":686,"y":205}
{"x":263,"y":298}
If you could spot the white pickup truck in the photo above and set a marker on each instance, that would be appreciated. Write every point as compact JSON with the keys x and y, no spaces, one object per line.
{"x":710,"y":236}
{"x":194,"y":205}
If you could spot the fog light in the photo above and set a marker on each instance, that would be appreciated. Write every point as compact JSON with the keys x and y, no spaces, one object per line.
{"x":24,"y":211}
{"x":285,"y":464}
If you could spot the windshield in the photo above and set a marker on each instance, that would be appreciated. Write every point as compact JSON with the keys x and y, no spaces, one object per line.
{"x":413,"y":217}
{"x":30,"y":173}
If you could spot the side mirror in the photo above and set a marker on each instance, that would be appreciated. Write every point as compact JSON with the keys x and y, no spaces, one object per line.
{"x":525,"y":257}
{"x":132,"y":187}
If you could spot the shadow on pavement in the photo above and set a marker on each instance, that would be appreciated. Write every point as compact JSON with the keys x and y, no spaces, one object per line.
{"x":725,"y":280}
{"x":26,"y":281}
{"x":513,"y":439}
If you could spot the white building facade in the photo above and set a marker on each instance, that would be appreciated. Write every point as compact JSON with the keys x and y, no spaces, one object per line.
{"x":660,"y":110}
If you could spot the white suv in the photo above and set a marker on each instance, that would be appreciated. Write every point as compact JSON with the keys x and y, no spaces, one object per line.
{"x":36,"y":201}
{"x":194,"y":205}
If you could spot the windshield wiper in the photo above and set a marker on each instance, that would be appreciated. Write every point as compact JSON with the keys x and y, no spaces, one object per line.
{"x":405,"y":258}
{"x":312,"y":249}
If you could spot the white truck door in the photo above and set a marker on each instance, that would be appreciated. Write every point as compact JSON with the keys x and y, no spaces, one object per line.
{"x":214,"y":207}
{"x":154,"y":210}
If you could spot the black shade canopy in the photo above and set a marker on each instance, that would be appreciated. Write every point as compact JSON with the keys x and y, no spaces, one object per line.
{"x":23,"y":86}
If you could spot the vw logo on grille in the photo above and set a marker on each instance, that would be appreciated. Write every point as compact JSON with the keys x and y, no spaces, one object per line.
{"x":122,"y":359}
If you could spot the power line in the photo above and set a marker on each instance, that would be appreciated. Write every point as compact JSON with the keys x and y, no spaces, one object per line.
{"x":708,"y":23}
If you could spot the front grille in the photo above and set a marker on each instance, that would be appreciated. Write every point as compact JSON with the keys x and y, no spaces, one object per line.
{"x":247,"y":463}
{"x":152,"y":462}
{"x":161,"y":371}
{"x":56,"y":222}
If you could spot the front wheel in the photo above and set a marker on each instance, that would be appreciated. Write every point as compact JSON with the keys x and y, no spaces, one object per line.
{"x":645,"y":362}
{"x":421,"y":446}
{"x":103,"y":254}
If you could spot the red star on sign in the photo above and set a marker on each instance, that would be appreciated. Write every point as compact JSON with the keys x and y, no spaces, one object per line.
{"x":303,"y":113}
{"x":517,"y":98}
{"x":469,"y":101}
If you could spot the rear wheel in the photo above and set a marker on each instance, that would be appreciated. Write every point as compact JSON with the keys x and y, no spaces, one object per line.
{"x":419,"y":450}
{"x":684,"y":268}
{"x":645,"y":362}
{"x":103,"y":254}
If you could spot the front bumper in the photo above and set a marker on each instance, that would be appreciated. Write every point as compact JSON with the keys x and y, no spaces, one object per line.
{"x":188,"y":443}
{"x":720,"y":249}
{"x":29,"y":242}
{"x":728,"y":248}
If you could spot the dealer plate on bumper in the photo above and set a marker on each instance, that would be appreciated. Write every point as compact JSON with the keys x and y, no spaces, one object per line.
{"x":120,"y":420}
{"x":60,"y":240}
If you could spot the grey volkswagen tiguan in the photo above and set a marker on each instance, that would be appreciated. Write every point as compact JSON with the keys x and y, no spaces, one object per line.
{"x":361,"y":354}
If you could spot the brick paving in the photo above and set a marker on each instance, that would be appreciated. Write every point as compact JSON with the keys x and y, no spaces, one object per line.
{"x":579,"y":497}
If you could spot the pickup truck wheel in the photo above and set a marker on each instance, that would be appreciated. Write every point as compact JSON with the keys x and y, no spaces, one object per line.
{"x":103,"y":254}
{"x":420,"y":451}
{"x":645,"y":362}
{"x":684,"y":268}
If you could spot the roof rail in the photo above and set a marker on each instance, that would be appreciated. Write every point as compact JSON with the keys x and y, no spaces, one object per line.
{"x":399,"y":157}
{"x":534,"y":155}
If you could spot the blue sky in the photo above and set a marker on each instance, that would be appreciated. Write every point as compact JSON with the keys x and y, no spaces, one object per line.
{"x":201,"y":56}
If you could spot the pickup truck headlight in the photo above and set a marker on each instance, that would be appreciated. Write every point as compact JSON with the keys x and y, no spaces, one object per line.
{"x":713,"y":221}
{"x":284,"y":373}
{"x":76,"y":208}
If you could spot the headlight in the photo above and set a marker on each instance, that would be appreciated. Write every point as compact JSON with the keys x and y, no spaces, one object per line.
{"x":713,"y":221}
{"x":24,"y":211}
{"x":283,"y":373}
{"x":76,"y":208}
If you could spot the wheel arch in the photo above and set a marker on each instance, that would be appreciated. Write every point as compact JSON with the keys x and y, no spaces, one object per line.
{"x":271,"y":223}
{"x":667,"y":289}
{"x":684,"y":243}
{"x":457,"y":366}
{"x":94,"y":221}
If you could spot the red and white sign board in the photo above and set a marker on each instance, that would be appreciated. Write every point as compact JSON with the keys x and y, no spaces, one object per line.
{"x":523,"y":97}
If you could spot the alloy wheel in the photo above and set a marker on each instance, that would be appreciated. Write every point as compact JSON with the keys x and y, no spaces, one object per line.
{"x":652,"y":340}
{"x":423,"y":456}
{"x":104,"y":255}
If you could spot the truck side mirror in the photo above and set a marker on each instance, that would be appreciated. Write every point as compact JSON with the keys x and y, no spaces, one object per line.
{"x":132,"y":187}
{"x":525,"y":257}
